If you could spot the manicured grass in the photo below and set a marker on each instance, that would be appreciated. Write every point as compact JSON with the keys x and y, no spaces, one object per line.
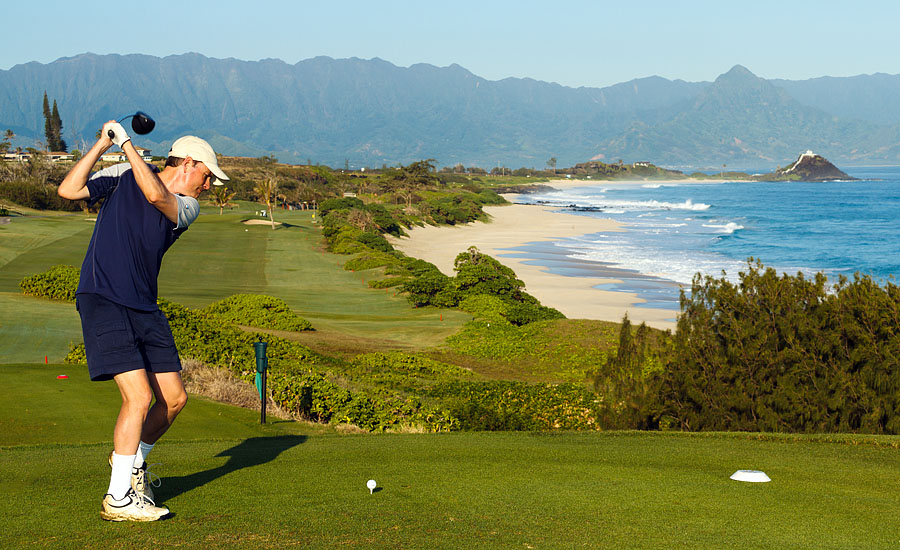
{"x":218,"y":257}
{"x":234,"y":484}
{"x":34,"y":328}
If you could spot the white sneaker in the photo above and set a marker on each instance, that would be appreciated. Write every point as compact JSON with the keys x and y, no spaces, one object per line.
{"x":142,"y":479}
{"x":134,"y":507}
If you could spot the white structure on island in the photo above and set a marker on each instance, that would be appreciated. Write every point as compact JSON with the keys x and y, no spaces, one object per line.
{"x":807,"y":154}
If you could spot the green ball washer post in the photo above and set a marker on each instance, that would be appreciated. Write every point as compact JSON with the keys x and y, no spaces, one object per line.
{"x":262,"y":365}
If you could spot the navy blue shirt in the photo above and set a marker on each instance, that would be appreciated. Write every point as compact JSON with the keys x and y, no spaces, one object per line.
{"x":130,"y":237}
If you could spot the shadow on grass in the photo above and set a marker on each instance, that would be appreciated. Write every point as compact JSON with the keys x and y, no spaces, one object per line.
{"x":250,"y":452}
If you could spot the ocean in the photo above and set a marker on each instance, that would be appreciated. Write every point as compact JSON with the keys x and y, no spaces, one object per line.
{"x":675,"y":230}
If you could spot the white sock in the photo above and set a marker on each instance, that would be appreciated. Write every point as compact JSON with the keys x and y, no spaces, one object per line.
{"x":142,"y":452}
{"x":120,"y":480}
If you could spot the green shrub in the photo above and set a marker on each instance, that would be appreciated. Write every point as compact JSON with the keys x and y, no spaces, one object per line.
{"x":487,"y":196}
{"x":390,"y":282}
{"x":257,"y":310}
{"x":58,"y":283}
{"x":348,"y":246}
{"x":523,"y":313}
{"x":787,"y":354}
{"x":478,"y":273}
{"x":375,"y":242}
{"x":36,"y":195}
{"x":628,"y":380}
{"x":316,"y":398}
{"x":491,"y":339}
{"x":344,"y":203}
{"x":76,"y":355}
{"x":385,"y":222}
{"x":520,"y":406}
{"x":431,"y":288}
{"x":451,"y":210}
{"x":485,"y":306}
{"x":370,"y":259}
{"x":401,"y":371}
{"x":223,"y":344}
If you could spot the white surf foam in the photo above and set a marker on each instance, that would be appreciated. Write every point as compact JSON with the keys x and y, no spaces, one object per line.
{"x":727,"y":228}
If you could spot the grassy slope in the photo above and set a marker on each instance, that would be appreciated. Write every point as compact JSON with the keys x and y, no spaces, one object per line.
{"x":32,"y":328}
{"x":233,"y":483}
{"x":218,"y":257}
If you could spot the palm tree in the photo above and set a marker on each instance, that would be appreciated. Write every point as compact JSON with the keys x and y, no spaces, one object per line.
{"x":221,"y":197}
{"x":266,"y":191}
{"x":7,"y":139}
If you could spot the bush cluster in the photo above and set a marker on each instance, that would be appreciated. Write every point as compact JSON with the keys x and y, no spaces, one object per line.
{"x":785,"y":354}
{"x":315,"y":397}
{"x":565,"y":349}
{"x":401,"y":371}
{"x":37,"y":196}
{"x":477,"y":275}
{"x":450,"y":210}
{"x":506,"y":405}
{"x":58,"y":283}
{"x":257,"y":310}
{"x":298,"y":377}
{"x":352,"y":227}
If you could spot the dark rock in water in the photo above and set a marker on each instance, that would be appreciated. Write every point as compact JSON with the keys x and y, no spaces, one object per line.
{"x":808,"y":167}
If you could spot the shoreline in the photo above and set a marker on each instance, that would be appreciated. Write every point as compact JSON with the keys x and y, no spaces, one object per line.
{"x":562,"y":184}
{"x":506,"y":236}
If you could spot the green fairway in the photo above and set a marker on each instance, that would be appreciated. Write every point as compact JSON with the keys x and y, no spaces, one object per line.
{"x":218,"y":257}
{"x":232,"y":483}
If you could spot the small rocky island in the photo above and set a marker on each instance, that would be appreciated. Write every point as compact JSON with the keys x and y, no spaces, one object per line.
{"x":808,"y":167}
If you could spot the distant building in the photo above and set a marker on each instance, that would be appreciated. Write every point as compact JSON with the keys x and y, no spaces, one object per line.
{"x":114,"y":157}
{"x":21,"y":157}
{"x":641,"y":164}
{"x":59,"y":156}
{"x":120,"y":156}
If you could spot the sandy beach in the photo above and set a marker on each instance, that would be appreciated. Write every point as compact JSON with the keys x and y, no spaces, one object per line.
{"x":514,"y":225}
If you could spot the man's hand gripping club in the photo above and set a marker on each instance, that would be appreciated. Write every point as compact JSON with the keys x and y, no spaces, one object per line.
{"x":116,"y":133}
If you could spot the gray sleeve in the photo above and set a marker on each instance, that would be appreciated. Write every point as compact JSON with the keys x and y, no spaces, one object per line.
{"x":188,"y":210}
{"x":114,"y":171}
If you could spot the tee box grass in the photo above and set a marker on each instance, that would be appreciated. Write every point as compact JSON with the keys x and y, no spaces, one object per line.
{"x":232,"y":483}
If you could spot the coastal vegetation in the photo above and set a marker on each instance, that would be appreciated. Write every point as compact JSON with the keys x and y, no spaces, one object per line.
{"x":767,"y":353}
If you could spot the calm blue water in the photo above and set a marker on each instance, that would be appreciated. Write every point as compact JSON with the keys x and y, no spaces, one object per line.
{"x":677,"y":230}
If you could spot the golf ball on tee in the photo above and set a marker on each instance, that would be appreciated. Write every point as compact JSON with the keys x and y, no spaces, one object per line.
{"x":371,"y":485}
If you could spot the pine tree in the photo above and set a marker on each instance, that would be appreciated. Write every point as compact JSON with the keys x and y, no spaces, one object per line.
{"x":53,"y":127}
{"x":60,"y":144}
{"x":48,"y":123}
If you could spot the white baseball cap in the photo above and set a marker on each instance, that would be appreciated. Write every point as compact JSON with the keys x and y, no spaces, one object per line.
{"x":199,"y":150}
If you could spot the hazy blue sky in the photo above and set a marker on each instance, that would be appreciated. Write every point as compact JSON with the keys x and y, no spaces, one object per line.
{"x":574,"y":43}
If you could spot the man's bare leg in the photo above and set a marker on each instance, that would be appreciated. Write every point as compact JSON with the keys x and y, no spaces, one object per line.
{"x":121,"y":503}
{"x":170,"y":399}
{"x":136,"y":396}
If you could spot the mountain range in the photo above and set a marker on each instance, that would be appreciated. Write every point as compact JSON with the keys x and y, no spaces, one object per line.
{"x":359,"y":112}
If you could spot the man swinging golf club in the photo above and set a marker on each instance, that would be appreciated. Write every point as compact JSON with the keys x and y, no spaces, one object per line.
{"x":126,"y":337}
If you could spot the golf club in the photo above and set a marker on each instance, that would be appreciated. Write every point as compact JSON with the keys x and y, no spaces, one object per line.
{"x":141,"y":123}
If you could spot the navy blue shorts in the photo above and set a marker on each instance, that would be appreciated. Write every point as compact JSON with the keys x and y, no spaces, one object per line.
{"x":119,"y":339}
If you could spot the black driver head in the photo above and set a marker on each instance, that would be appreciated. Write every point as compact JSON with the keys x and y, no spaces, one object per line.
{"x":141,"y":123}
